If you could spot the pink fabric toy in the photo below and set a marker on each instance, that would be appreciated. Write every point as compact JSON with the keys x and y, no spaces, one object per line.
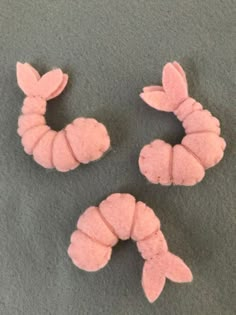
{"x":121,"y":217}
{"x":82,"y":141}
{"x":200,"y":149}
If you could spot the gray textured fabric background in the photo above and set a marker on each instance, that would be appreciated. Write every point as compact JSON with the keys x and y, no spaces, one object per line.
{"x":111,"y":49}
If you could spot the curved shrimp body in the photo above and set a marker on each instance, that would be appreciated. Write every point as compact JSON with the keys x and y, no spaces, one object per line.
{"x":121,"y":217}
{"x":82,"y":141}
{"x":200,"y":149}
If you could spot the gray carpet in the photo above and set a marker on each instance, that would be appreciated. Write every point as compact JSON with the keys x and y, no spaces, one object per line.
{"x":111,"y":49}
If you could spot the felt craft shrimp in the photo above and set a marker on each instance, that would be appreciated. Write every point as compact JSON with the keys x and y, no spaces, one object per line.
{"x":200,"y":149}
{"x":82,"y":141}
{"x":121,"y":217}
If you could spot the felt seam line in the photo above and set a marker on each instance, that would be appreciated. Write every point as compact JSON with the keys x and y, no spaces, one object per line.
{"x":52,"y":149}
{"x":177,"y":109}
{"x":70,"y":148}
{"x":37,"y":142}
{"x":29,"y":114}
{"x":178,"y":105}
{"x":201,"y":131}
{"x":38,"y":125}
{"x":33,"y":112}
{"x":35,"y":97}
{"x":194,"y":155}
{"x":149,"y":235}
{"x":176,"y":114}
{"x":193,"y":111}
{"x":134,"y":219}
{"x":93,"y":239}
{"x":109,"y":226}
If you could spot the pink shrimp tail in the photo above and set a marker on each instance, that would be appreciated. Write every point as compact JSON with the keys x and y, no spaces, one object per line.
{"x":157,"y":269}
{"x":173,"y":92}
{"x":50,"y":85}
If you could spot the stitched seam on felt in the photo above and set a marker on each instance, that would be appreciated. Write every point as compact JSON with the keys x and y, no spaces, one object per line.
{"x":93,"y":239}
{"x":177,"y":109}
{"x":193,"y":111}
{"x":193,"y":155}
{"x":37,"y":142}
{"x":149,"y":235}
{"x":35,"y":112}
{"x":110,"y":227}
{"x":134,"y":219}
{"x":178,"y":105}
{"x":106,"y":223}
{"x":202,"y":131}
{"x":53,"y":150}
{"x":32,"y":128}
{"x":70,"y":147}
{"x":52,"y":146}
{"x":30,"y":114}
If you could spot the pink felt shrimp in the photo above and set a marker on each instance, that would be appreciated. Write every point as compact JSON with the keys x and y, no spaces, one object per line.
{"x":82,"y":141}
{"x":121,"y":217}
{"x":200,"y":149}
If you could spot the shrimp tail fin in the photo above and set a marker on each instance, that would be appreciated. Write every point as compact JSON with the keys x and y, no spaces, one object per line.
{"x":160,"y":267}
{"x":177,"y":270}
{"x":173,"y":92}
{"x":153,"y":277}
{"x":50,"y":85}
{"x":27,"y":77}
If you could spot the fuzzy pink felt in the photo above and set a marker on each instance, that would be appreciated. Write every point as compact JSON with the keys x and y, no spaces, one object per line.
{"x":88,"y":254}
{"x":43,"y":150}
{"x":63,"y":158}
{"x":201,"y":148}
{"x":92,"y":224}
{"x":32,"y":136}
{"x":155,"y":160}
{"x":120,"y":216}
{"x":186,"y":167}
{"x":88,"y":139}
{"x":82,"y":141}
{"x":157,"y":269}
{"x":28,"y":121}
{"x":153,"y":245}
{"x":145,"y":222}
{"x":118,"y":211}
